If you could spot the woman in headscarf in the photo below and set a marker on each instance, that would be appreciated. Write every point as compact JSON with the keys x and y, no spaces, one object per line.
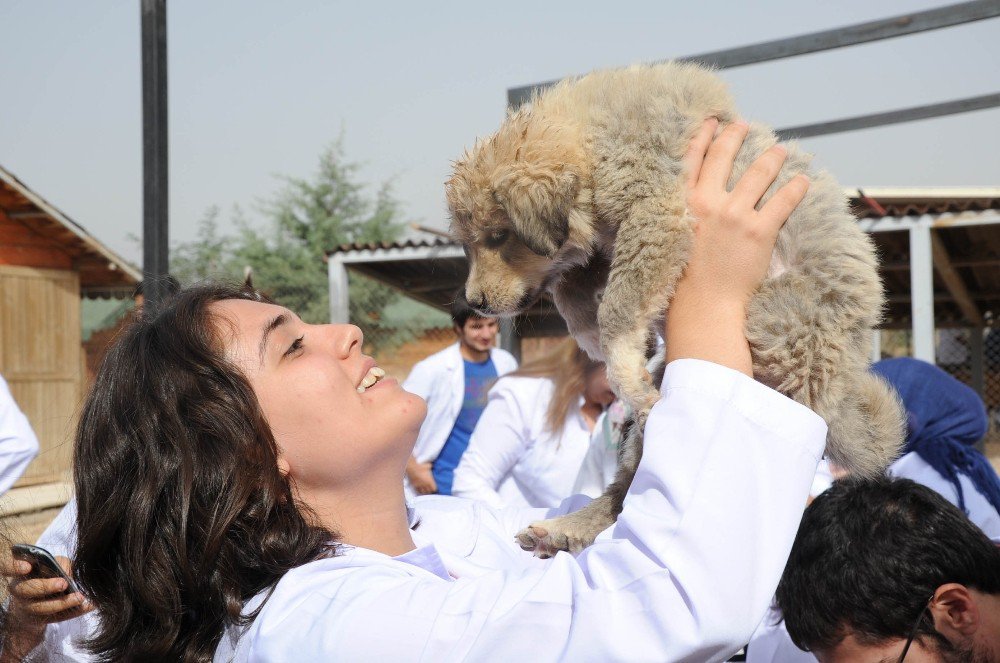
{"x":945,"y":420}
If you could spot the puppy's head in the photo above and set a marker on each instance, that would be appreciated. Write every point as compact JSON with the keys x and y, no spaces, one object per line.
{"x":511,"y":199}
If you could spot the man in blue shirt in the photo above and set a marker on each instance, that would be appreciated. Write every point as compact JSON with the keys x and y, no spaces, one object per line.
{"x":454,"y":382}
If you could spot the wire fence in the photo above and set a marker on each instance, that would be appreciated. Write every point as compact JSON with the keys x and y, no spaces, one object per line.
{"x":954,"y":353}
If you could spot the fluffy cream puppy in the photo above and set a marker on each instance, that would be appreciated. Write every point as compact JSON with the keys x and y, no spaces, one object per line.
{"x":582,"y":193}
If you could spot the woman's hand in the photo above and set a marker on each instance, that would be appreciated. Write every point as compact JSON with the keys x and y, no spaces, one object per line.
{"x":421,"y":477}
{"x":35,"y":603}
{"x":732,"y":246}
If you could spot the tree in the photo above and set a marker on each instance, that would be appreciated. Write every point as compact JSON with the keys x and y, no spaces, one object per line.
{"x":305,"y":219}
{"x":205,"y":258}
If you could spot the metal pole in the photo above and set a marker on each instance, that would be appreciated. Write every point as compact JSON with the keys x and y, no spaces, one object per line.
{"x":510,"y":340}
{"x":815,"y":42}
{"x":922,"y":292}
{"x":892,"y":117}
{"x":340,"y":299}
{"x":876,"y":354}
{"x":976,"y":355}
{"x":154,"y":151}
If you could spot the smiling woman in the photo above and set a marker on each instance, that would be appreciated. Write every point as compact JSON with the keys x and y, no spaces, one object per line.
{"x":239,"y":477}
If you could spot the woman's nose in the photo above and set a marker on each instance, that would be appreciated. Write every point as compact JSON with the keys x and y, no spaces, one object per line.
{"x":346,"y":339}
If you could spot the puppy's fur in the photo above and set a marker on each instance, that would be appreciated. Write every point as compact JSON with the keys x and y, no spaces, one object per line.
{"x":582,"y":193}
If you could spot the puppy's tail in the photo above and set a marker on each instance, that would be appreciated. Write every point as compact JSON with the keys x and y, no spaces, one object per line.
{"x":868,"y":429}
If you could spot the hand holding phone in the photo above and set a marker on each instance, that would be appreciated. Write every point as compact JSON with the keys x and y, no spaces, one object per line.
{"x":41,"y":588}
{"x":43,"y":565}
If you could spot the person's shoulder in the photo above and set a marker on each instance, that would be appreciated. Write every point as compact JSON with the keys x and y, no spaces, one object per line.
{"x":441,"y":356}
{"x":503,"y":360}
{"x":523,"y":384}
{"x":437,"y":361}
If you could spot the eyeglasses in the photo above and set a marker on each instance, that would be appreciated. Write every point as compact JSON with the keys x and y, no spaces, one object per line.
{"x":913,"y":631}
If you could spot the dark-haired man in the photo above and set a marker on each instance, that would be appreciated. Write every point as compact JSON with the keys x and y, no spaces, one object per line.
{"x":888,"y":566}
{"x":454,"y":382}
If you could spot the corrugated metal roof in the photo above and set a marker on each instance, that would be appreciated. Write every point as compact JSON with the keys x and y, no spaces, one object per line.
{"x":405,"y":244}
{"x":917,"y":201}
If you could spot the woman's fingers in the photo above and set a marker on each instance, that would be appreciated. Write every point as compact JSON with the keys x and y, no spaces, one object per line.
{"x":37,"y":588}
{"x":697,"y":148}
{"x":721,"y":154}
{"x":52,"y":607}
{"x":758,"y":177}
{"x":776,"y":211}
{"x":12,"y":568}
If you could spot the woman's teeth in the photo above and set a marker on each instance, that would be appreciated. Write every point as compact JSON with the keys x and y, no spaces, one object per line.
{"x":373,"y":375}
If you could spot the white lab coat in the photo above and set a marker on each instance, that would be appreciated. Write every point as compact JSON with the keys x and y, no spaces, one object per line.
{"x":664,"y":584}
{"x":440,"y":380}
{"x":18,"y":444}
{"x":513,"y":459}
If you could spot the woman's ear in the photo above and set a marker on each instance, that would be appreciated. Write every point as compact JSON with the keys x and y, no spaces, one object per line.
{"x":538,"y":199}
{"x":955,"y":613}
{"x":283,"y":467}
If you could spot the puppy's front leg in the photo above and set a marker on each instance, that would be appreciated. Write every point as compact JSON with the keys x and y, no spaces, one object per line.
{"x":651,"y":250}
{"x":575,"y":531}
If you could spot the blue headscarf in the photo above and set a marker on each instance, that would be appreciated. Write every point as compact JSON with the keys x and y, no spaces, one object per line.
{"x":945,"y":419}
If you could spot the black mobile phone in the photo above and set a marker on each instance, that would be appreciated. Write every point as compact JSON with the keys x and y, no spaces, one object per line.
{"x":43,"y":564}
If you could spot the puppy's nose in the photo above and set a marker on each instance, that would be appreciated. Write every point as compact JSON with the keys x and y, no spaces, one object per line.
{"x":479,"y":304}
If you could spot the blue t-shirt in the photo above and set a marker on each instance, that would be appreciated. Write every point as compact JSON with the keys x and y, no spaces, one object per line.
{"x":479,"y":377}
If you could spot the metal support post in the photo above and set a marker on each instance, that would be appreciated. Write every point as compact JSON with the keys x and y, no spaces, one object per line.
{"x":510,"y":340}
{"x":155,"y":256}
{"x":340,"y":300}
{"x":922,"y":292}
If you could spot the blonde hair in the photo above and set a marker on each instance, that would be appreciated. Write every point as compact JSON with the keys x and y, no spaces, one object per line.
{"x":568,"y":367}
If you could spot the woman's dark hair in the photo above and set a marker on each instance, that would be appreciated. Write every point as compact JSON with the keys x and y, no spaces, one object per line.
{"x":869,"y":554}
{"x":183,"y":513}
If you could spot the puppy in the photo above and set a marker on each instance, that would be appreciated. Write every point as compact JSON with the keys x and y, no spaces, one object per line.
{"x":581,"y":193}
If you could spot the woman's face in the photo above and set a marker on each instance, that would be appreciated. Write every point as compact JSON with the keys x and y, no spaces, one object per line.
{"x":307,"y":380}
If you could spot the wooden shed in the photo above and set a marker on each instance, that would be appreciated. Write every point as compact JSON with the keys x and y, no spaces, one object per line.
{"x":47,"y":263}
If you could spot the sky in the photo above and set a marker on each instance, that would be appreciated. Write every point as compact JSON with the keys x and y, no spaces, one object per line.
{"x":258,"y":89}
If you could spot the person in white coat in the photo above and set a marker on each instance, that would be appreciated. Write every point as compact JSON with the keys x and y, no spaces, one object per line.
{"x":535,"y":431}
{"x":269,"y":521}
{"x":18,"y":444}
{"x":454,"y":383}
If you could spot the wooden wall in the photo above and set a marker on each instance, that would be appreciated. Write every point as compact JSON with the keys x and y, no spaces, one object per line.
{"x":20,"y":245}
{"x":41,"y":359}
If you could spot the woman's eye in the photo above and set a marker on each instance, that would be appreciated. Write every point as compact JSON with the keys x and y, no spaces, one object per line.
{"x":295,"y":346}
{"x":497,"y":237}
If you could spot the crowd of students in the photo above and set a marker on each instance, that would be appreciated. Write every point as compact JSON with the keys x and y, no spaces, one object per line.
{"x":239,"y":498}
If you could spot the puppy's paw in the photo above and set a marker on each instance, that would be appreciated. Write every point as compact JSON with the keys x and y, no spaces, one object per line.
{"x":548,"y":537}
{"x":536,"y":539}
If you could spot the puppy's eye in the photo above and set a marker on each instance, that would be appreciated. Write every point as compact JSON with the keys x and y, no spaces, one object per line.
{"x":496,"y":238}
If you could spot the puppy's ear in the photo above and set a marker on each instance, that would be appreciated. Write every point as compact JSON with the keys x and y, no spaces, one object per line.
{"x":538,"y":199}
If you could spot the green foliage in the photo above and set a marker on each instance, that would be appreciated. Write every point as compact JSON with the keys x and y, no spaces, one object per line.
{"x":205,"y":258}
{"x":305,"y":219}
